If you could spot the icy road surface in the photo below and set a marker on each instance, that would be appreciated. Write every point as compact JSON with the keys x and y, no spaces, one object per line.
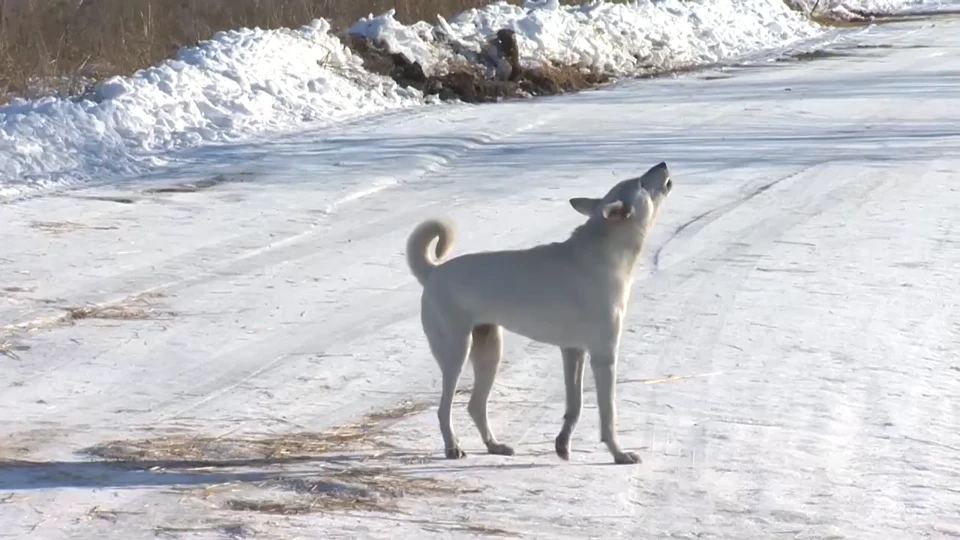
{"x":789,"y":365}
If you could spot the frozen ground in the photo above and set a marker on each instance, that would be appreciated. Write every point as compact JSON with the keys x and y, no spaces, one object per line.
{"x":789,"y":365}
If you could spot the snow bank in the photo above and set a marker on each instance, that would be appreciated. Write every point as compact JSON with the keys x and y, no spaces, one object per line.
{"x":237,"y":84}
{"x":616,"y":38}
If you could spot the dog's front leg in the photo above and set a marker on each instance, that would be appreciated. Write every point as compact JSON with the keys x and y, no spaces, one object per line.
{"x":604,"y":366}
{"x":573,"y":364}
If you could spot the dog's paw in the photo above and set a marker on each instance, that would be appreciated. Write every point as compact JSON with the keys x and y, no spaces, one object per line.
{"x":627,"y":458}
{"x":500,"y":449}
{"x":563,"y":447}
{"x":455,"y":453}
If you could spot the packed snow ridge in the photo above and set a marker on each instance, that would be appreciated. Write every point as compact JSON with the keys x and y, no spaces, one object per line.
{"x":251,"y":82}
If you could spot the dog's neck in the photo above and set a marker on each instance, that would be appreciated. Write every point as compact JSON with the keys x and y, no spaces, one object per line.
{"x":612,"y":245}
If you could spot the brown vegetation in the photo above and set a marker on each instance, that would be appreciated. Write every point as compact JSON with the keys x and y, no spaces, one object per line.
{"x":469,"y":83}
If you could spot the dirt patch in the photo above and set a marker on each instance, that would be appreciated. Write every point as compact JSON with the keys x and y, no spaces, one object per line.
{"x":176,"y":450}
{"x":809,"y":56}
{"x":479,"y":79}
{"x":202,"y":185}
{"x":105,"y":198}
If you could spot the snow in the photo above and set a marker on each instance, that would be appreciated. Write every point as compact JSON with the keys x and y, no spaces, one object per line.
{"x":788,"y":366}
{"x":250,"y":84}
{"x":238,"y":84}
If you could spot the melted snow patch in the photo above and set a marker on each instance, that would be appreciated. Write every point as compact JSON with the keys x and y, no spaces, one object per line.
{"x":237,"y":84}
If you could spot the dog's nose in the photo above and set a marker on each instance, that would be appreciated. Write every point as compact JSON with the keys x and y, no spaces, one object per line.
{"x":662,"y":165}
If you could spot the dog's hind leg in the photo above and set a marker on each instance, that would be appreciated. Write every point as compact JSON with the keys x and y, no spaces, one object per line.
{"x":449,"y":343}
{"x":573,"y":364}
{"x":453,"y":358}
{"x":485,"y":355}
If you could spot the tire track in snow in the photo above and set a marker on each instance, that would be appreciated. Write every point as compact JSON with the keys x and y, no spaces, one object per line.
{"x":698,"y":222}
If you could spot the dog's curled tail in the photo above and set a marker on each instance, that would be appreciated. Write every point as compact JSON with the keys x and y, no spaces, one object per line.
{"x":418,"y":259}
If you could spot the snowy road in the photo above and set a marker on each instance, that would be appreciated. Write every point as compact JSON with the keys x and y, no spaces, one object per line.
{"x":789,"y":367}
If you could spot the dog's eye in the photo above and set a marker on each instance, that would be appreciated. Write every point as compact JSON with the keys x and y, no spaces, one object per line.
{"x":669,"y":184}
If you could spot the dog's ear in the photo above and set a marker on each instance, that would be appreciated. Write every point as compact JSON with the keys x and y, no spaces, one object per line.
{"x":584,"y":205}
{"x":657,"y":179}
{"x":617,"y":211}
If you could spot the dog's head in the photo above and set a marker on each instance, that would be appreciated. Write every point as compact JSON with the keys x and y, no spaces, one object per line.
{"x":634,"y":201}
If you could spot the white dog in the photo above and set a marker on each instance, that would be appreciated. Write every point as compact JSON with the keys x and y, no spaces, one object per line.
{"x":572,"y":294}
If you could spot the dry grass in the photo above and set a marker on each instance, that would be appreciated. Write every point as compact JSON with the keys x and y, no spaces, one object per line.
{"x":332,"y":488}
{"x":117,"y":313}
{"x":557,"y":79}
{"x":126,"y":310}
{"x":356,"y":488}
{"x":200,"y":450}
{"x":11,"y":452}
{"x":194,"y":449}
{"x":10,"y":350}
